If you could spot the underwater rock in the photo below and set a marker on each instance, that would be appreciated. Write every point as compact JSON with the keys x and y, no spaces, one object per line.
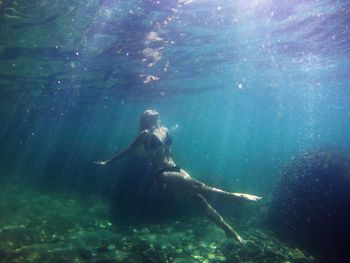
{"x":3,"y":255}
{"x":273,"y":256}
{"x":311,"y":203}
{"x":136,"y":197}
{"x":297,"y":255}
{"x":112,"y":261}
{"x":148,"y":252}
{"x":184,"y":259}
{"x":84,"y":253}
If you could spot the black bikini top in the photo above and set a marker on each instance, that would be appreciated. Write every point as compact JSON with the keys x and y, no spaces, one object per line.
{"x":156,"y":142}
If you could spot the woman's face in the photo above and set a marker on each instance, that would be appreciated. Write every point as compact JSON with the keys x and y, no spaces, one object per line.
{"x":155,"y":119}
{"x":154,"y":112}
{"x":152,"y":118}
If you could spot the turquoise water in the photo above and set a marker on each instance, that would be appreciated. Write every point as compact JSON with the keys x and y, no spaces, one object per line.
{"x":243,"y":86}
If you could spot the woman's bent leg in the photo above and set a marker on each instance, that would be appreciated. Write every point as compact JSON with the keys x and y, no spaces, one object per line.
{"x":216,"y":217}
{"x":184,"y":183}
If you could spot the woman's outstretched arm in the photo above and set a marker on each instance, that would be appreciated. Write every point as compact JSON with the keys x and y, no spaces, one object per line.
{"x":139,"y":140}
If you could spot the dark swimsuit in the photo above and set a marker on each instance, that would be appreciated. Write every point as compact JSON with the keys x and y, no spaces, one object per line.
{"x":156,"y":142}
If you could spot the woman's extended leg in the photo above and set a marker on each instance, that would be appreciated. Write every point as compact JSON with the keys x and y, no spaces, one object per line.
{"x":184,"y":182}
{"x":216,"y":217}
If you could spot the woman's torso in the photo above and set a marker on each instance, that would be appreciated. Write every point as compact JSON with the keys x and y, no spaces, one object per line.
{"x":158,"y":148}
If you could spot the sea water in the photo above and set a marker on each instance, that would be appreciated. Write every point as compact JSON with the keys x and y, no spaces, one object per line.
{"x":243,"y":86}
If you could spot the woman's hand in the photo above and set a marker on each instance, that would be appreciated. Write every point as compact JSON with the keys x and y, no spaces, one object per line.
{"x":101,"y":162}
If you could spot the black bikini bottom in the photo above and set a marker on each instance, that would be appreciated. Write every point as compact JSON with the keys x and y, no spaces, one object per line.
{"x":167,"y":169}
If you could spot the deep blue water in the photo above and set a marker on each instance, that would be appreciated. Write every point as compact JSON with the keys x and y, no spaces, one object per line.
{"x":247,"y":84}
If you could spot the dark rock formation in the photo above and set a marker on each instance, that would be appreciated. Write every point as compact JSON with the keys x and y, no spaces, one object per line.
{"x":312,"y":203}
{"x":138,"y":198}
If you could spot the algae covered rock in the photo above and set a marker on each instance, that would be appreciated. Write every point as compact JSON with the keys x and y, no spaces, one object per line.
{"x":311,"y":203}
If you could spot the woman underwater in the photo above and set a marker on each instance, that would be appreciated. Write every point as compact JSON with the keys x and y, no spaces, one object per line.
{"x":156,"y":142}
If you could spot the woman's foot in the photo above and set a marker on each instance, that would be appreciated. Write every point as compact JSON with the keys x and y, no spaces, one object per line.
{"x":241,"y":240}
{"x":248,"y":197}
{"x":232,"y":233}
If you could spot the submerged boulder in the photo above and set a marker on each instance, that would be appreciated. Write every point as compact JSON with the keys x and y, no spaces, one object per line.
{"x":312,"y":203}
{"x":137,"y":198}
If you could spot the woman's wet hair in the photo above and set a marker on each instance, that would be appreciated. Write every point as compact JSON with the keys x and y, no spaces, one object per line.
{"x":148,"y":119}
